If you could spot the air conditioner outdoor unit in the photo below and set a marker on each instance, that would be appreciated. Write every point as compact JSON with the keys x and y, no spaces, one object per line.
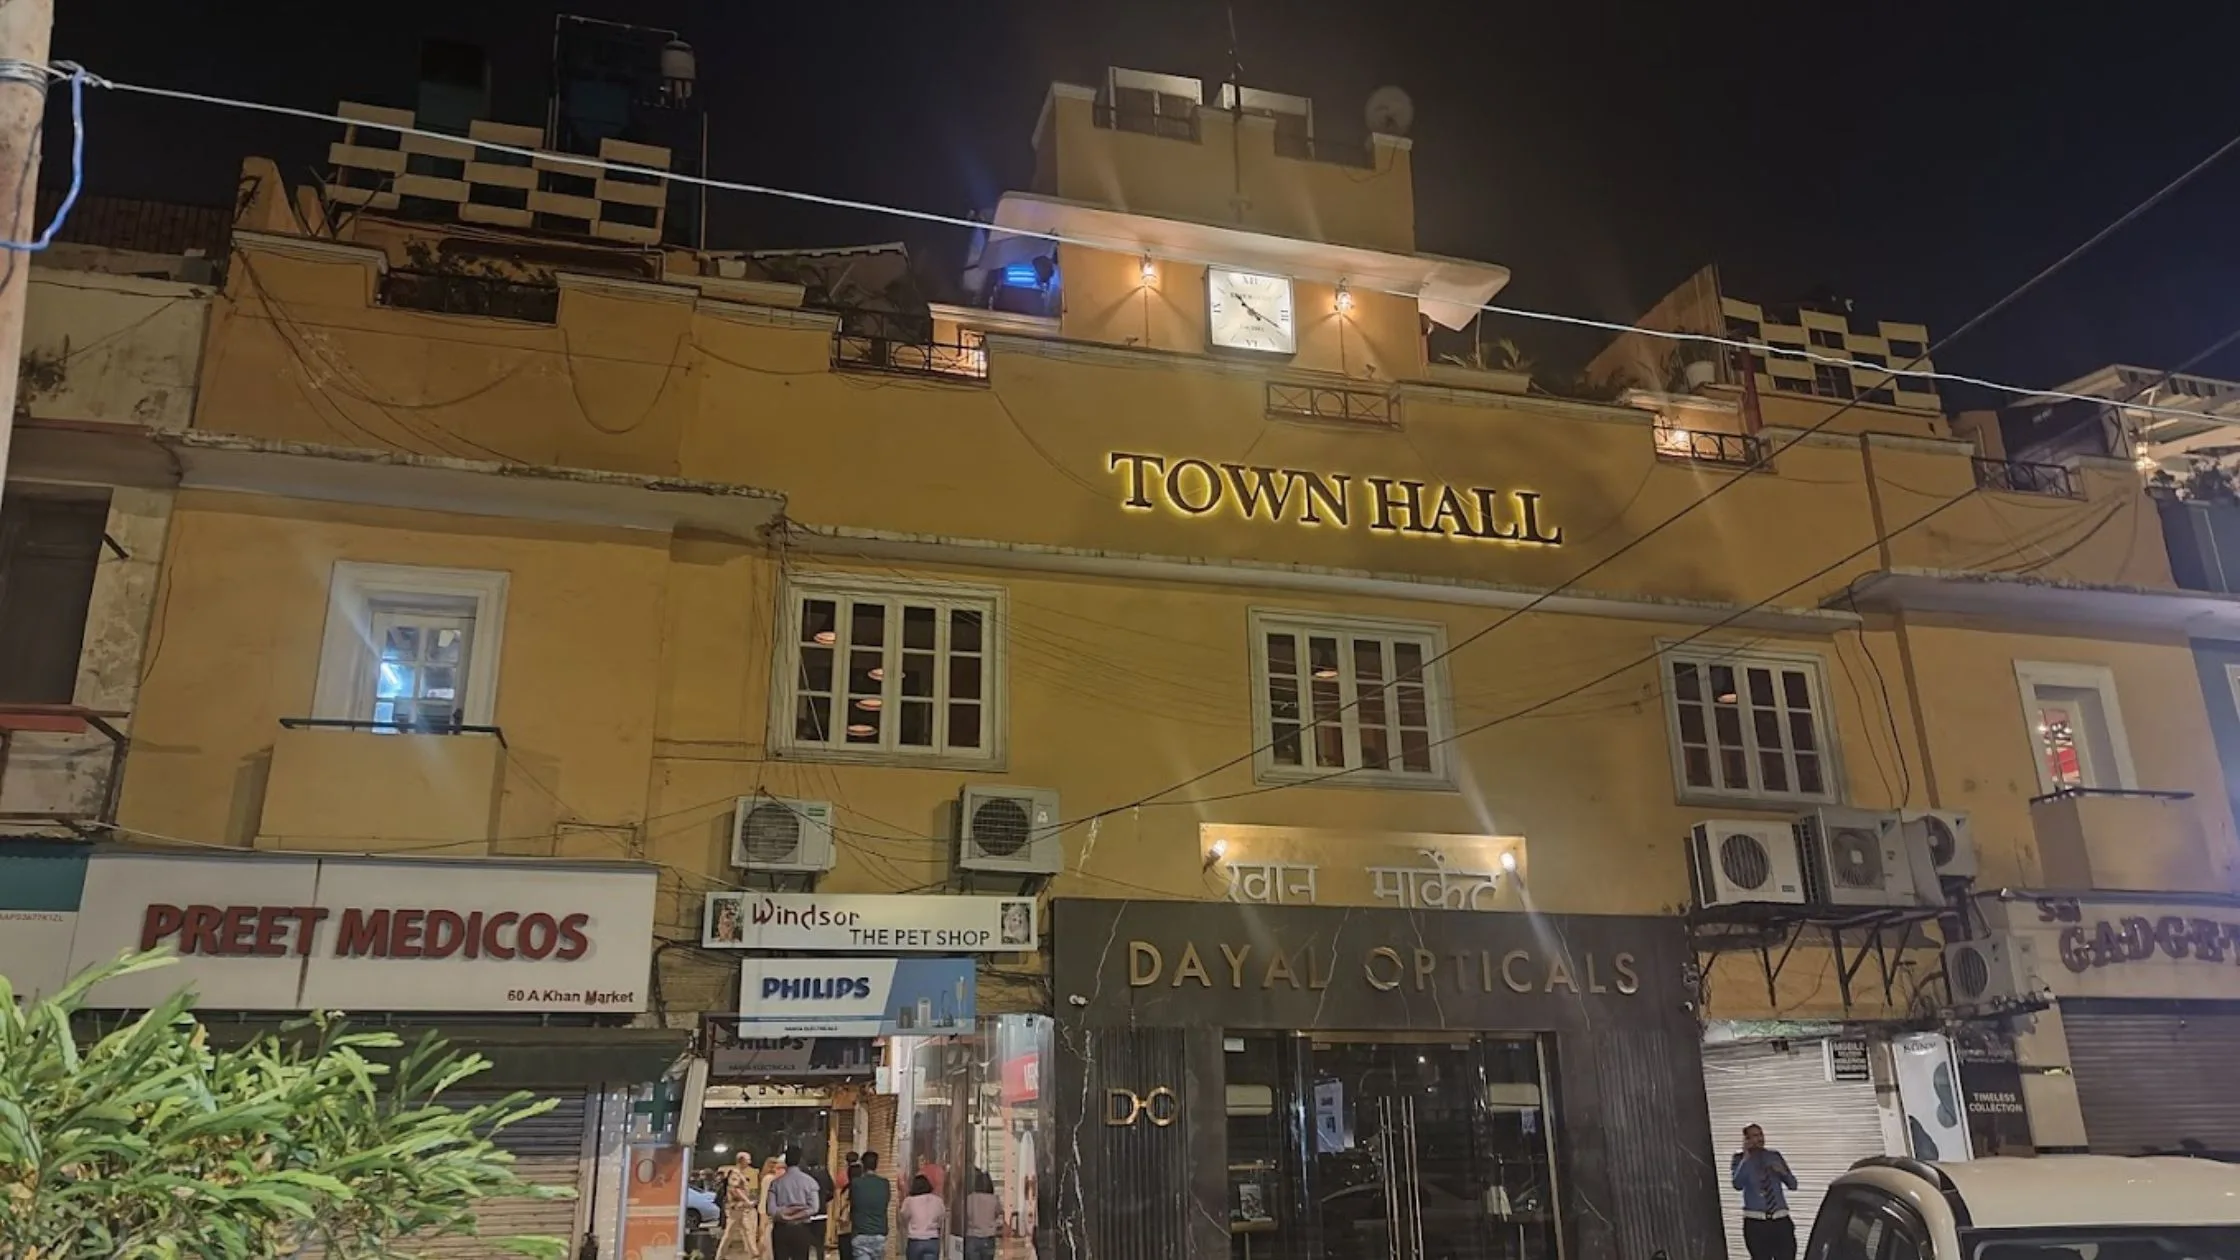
{"x":1943,"y":847}
{"x":778,"y":836}
{"x":1012,"y":831}
{"x":1733,"y":862}
{"x":1856,"y":857}
{"x":1998,"y":968}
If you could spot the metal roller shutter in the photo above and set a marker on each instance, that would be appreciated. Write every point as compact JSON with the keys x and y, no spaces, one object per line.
{"x":548,"y":1151}
{"x":1820,"y":1127}
{"x":2156,"y":1077}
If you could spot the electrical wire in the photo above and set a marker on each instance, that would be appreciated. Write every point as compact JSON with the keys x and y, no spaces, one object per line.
{"x":1114,"y":244}
{"x":78,"y":78}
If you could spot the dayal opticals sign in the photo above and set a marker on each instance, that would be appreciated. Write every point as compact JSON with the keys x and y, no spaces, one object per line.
{"x":889,"y":922}
{"x":855,"y":997}
{"x":368,"y":934}
{"x":1382,"y":505}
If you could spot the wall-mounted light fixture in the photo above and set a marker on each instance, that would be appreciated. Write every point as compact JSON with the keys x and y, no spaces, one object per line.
{"x":1150,"y":270}
{"x":1345,"y":299}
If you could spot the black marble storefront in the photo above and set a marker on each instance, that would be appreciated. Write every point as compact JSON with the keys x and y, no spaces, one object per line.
{"x":1145,"y":994}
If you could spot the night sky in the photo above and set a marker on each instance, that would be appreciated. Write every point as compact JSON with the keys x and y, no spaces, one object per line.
{"x":1918,"y":159}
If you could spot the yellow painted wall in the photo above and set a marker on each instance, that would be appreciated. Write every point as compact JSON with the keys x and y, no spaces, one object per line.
{"x":637,"y":666}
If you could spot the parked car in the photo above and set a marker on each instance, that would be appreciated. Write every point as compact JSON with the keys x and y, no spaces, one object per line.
{"x":702,"y":1209}
{"x":2053,"y":1207}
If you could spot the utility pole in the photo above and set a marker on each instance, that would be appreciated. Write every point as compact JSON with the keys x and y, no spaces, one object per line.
{"x":25,"y":28}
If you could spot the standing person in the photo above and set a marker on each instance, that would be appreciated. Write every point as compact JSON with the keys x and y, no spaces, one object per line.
{"x":742,"y":1208}
{"x":793,"y":1200}
{"x":983,"y":1218}
{"x":923,"y":1215}
{"x":821,"y":1236}
{"x":870,"y":1207}
{"x":843,"y":1217}
{"x":1764,"y":1179}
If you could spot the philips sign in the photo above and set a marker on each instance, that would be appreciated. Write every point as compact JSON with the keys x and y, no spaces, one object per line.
{"x":855,"y":997}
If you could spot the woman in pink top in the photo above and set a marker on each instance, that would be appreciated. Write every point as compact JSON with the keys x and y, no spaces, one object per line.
{"x":923,"y":1215}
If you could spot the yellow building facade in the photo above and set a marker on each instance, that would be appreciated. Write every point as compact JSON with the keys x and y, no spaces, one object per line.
{"x":1278,"y":613}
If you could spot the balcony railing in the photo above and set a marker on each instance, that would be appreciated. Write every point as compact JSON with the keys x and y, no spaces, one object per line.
{"x":2019,"y":477}
{"x":1353,"y":151}
{"x":1332,"y":402}
{"x":448,"y":294}
{"x":965,"y":359}
{"x":1173,"y":126}
{"x":68,"y":763}
{"x":1698,"y":446}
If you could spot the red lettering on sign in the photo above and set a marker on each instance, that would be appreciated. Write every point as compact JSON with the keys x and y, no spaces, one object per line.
{"x":573,"y":943}
{"x":200,"y":935}
{"x":491,"y":945}
{"x":538,"y":935}
{"x":241,"y":930}
{"x":404,"y":936}
{"x":445,"y":931}
{"x":362,"y":933}
{"x":158,"y":923}
{"x":308,"y":919}
{"x":272,"y":923}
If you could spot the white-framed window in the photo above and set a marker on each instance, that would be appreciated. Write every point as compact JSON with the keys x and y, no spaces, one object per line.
{"x":880,"y":670}
{"x":2075,"y":727}
{"x":410,"y":648}
{"x":1365,"y":697}
{"x":1749,"y":725}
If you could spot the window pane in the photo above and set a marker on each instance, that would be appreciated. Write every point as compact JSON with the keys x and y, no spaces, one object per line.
{"x":1691,"y":725}
{"x":964,"y":631}
{"x":1373,"y":748}
{"x":402,"y":643}
{"x":1283,"y":654}
{"x":917,"y":673}
{"x":1696,"y":763}
{"x":1775,"y":770}
{"x":867,"y":624}
{"x":1322,"y":688}
{"x":1761,"y":685}
{"x":1285,"y":743}
{"x":1802,"y":736}
{"x":1734,"y":765}
{"x":1722,"y":684}
{"x":863,"y":725}
{"x":964,"y":726}
{"x":964,"y":677}
{"x":1796,"y":689}
{"x":1415,"y":751}
{"x":816,"y":669}
{"x":1727,"y":720}
{"x":812,"y":719}
{"x":918,"y":624}
{"x":446,"y":646}
{"x":393,"y":681}
{"x":819,"y":621}
{"x":915,"y":728}
{"x":1686,"y":685}
{"x":1808,"y":774}
{"x":439,"y":682}
{"x":385,"y":711}
{"x":1768,"y":728}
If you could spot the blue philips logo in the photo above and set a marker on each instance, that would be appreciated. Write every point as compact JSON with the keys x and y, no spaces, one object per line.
{"x":815,"y":988}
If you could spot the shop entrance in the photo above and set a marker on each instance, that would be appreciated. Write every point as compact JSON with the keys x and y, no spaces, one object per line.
{"x":1429,"y":1150}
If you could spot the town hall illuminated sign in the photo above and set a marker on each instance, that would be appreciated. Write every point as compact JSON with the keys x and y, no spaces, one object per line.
{"x":1391,"y":505}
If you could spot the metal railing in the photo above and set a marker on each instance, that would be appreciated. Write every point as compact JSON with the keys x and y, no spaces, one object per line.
{"x":1181,"y":126}
{"x":2020,"y":477}
{"x":1332,"y":402}
{"x":427,"y":726}
{"x":1354,"y":151}
{"x":448,"y":294}
{"x":65,"y":720}
{"x":965,"y":359}
{"x":1697,"y":446}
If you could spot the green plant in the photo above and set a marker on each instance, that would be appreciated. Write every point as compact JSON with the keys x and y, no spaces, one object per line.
{"x":151,"y":1142}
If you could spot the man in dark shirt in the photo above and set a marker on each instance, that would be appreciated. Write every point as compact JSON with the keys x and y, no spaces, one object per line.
{"x":870,"y":1207}
{"x":825,"y":1192}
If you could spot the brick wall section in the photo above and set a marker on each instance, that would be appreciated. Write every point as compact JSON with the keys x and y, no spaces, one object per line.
{"x":154,"y":227}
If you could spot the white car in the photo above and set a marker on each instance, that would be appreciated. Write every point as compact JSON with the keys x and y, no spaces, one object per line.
{"x":700,"y":1210}
{"x":2053,"y":1207}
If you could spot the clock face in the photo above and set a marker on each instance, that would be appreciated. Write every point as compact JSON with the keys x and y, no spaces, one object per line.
{"x":1249,"y":312}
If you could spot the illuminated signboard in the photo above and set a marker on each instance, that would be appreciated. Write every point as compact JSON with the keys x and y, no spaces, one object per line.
{"x":1389,"y":505}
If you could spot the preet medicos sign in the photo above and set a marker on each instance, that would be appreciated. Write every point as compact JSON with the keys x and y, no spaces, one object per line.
{"x":855,"y":997}
{"x":882,"y":923}
{"x":356,"y":934}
